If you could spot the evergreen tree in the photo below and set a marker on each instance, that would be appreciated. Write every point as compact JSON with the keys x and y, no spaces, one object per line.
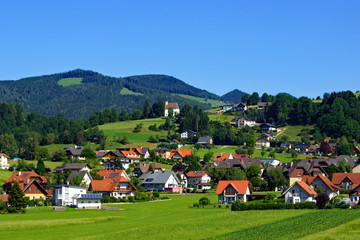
{"x":17,"y":202}
{"x":40,"y":167}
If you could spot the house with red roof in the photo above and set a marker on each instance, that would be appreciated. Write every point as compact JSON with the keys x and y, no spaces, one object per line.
{"x":179,"y":154}
{"x":113,"y":173}
{"x":299,"y":191}
{"x":118,"y":187}
{"x":143,"y":168}
{"x":322,"y":182}
{"x":229,"y":191}
{"x":346,"y":180}
{"x":201,"y":179}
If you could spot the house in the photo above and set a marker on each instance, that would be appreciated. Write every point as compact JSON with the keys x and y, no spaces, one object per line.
{"x":4,"y":161}
{"x":174,"y":106}
{"x":322,"y":182}
{"x":272,"y":162}
{"x":89,"y":201}
{"x":239,"y":107}
{"x":285,"y":145}
{"x":355,"y":194}
{"x":268,"y":136}
{"x":74,"y":152}
{"x":143,"y":168}
{"x":84,"y":175}
{"x":299,"y":191}
{"x":244,"y":121}
{"x":314,"y":149}
{"x":353,"y":162}
{"x":108,"y":154}
{"x":307,"y":167}
{"x":240,"y":163}
{"x":229,"y":191}
{"x":263,"y":105}
{"x":178,"y":143}
{"x":129,"y":156}
{"x":205,"y":140}
{"x":221,"y":157}
{"x":69,"y":167}
{"x":227,"y":108}
{"x":25,"y":178}
{"x":268,"y":127}
{"x":262,"y":143}
{"x":66,"y":195}
{"x":179,"y":154}
{"x":113,"y":174}
{"x":201,"y":179}
{"x":188,"y":134}
{"x":118,"y":187}
{"x":301,"y":147}
{"x":166,"y":181}
{"x":162,"y":152}
{"x":346,"y":180}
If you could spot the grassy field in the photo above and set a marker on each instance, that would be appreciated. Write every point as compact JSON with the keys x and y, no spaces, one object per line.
{"x":4,"y":175}
{"x":173,"y":219}
{"x":293,"y":132}
{"x":220,"y":117}
{"x":140,"y":139}
{"x":125,"y":91}
{"x":214,"y":103}
{"x":69,"y":81}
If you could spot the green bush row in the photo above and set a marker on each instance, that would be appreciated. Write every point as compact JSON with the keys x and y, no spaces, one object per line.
{"x":239,"y":206}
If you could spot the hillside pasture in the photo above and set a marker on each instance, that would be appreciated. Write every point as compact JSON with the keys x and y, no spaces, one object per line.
{"x":174,"y":219}
{"x":212,"y":102}
{"x":65,"y":82}
{"x":125,"y":91}
{"x":293,"y":132}
{"x":125,"y":129}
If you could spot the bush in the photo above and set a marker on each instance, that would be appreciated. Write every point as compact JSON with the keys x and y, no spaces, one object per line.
{"x":196,"y":205}
{"x":355,"y":207}
{"x":204,"y":201}
{"x":329,"y":206}
{"x":239,"y":206}
{"x":156,"y":194}
{"x":131,"y":199}
{"x":344,"y":205}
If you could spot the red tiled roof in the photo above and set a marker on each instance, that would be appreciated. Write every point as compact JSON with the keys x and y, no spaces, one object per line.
{"x":221,"y":156}
{"x":197,"y":173}
{"x":172,"y":105}
{"x":106,"y":173}
{"x":25,"y":176}
{"x":329,"y":184}
{"x":182,"y":153}
{"x":306,"y":187}
{"x":240,"y":156}
{"x":338,"y":178}
{"x":239,"y":185}
{"x":108,"y":184}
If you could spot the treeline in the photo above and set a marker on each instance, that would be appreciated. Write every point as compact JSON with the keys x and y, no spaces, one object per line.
{"x":22,"y":133}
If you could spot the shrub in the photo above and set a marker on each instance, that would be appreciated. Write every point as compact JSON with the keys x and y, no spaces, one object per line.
{"x":329,"y":206}
{"x":239,"y":206}
{"x":344,"y":205}
{"x":196,"y":205}
{"x":156,"y":194}
{"x":204,"y":201}
{"x":131,"y":199}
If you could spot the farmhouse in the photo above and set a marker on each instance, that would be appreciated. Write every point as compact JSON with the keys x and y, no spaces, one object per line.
{"x":24,"y":179}
{"x":229,"y":191}
{"x":74,"y":152}
{"x":174,"y":106}
{"x":118,"y":187}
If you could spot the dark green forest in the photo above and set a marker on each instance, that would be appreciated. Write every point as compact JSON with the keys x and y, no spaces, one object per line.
{"x":42,"y":95}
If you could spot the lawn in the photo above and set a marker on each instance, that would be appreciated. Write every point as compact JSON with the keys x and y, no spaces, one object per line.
{"x":48,"y":164}
{"x":140,"y":139}
{"x":125,"y":91}
{"x":292,"y":132}
{"x":4,"y":175}
{"x":220,"y":117}
{"x":172,"y":219}
{"x":65,"y":82}
{"x":213,"y":102}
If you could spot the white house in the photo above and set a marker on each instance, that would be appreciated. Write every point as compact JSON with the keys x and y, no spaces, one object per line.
{"x":84,"y":175}
{"x":66,"y":195}
{"x":322,"y":182}
{"x":4,"y":161}
{"x":244,"y":121}
{"x":166,"y":181}
{"x":174,"y":106}
{"x":299,"y":191}
{"x":199,"y":178}
{"x":188,"y":134}
{"x":229,"y":191}
{"x":262,"y":143}
{"x":89,"y":201}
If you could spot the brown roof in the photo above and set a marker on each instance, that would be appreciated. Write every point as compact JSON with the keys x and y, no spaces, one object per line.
{"x":328,"y":183}
{"x":306,"y":187}
{"x":106,"y":173}
{"x":144,"y":167}
{"x":25,"y":176}
{"x":239,"y":185}
{"x":172,"y":105}
{"x":338,"y":178}
{"x":109,"y":184}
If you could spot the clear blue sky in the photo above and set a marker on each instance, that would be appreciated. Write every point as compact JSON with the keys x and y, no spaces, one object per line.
{"x":301,"y":47}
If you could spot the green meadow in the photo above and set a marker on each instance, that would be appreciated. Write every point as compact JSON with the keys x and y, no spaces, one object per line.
{"x":173,"y":219}
{"x":65,"y":82}
{"x":125,"y":91}
{"x":212,"y":102}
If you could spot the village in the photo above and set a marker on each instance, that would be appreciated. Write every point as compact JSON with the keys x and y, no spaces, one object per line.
{"x":127,"y":173}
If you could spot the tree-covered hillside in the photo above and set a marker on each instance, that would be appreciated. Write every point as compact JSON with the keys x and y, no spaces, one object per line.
{"x":88,"y":92}
{"x":233,"y":96}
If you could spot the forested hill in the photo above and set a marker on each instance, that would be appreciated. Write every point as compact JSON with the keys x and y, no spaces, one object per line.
{"x":78,"y":93}
{"x":233,"y":96}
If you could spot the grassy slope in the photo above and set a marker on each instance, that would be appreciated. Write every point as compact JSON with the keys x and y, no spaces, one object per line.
{"x":214,"y":103}
{"x":171,"y":219}
{"x":69,"y":81}
{"x":121,"y":129}
{"x":293,"y":131}
{"x":4,"y":175}
{"x":125,"y":91}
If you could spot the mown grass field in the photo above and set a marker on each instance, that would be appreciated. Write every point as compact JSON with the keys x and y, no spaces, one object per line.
{"x":292,"y":132}
{"x":221,"y":117}
{"x":173,"y":219}
{"x":125,"y":91}
{"x":213,"y":102}
{"x":65,"y":82}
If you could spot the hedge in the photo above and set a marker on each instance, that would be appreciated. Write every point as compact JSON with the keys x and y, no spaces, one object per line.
{"x":239,"y":206}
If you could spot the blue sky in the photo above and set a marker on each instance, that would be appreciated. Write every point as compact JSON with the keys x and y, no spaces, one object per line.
{"x":304,"y":47}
